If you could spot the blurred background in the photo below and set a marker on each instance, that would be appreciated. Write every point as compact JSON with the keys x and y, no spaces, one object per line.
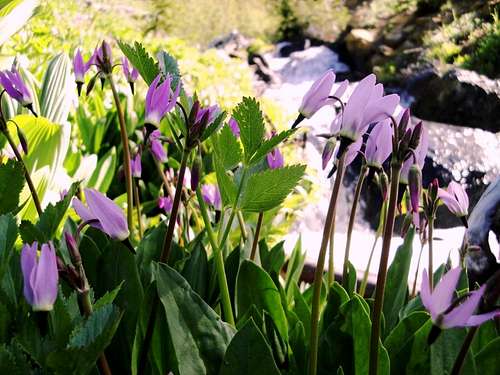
{"x":441,"y":56}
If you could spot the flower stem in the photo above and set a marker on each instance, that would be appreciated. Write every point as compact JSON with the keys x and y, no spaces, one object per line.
{"x":459,"y":362}
{"x":357,"y":194}
{"x":382,"y":270}
{"x":364,"y":282}
{"x":318,"y":274}
{"x":138,"y":209}
{"x":219,"y":261}
{"x":126,"y":155}
{"x":414,"y":288}
{"x":256,"y":237}
{"x":241,"y":221}
{"x":331,"y":248}
{"x":431,"y":266}
{"x":27,"y":176}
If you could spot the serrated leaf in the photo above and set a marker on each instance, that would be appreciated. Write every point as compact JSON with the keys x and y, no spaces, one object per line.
{"x":11,"y":185}
{"x":168,"y":65}
{"x":29,"y":232}
{"x":268,"y":145}
{"x":141,"y":60}
{"x":227,"y":147}
{"x":227,"y":187}
{"x":268,"y":189}
{"x":251,"y":124}
{"x":108,"y":297}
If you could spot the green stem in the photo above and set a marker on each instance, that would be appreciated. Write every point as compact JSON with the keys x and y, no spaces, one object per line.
{"x":138,"y":209}
{"x":459,"y":362}
{"x":219,"y":261}
{"x":256,"y":237}
{"x":357,"y":194}
{"x":241,"y":221}
{"x":364,"y":282}
{"x":318,"y":274}
{"x":126,"y":155}
{"x":414,"y":288}
{"x":382,"y":270}
{"x":431,"y":266}
{"x":27,"y":176}
{"x":331,"y":253}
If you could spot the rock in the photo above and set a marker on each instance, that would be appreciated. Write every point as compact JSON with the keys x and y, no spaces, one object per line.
{"x":360,"y":43}
{"x":459,"y":97}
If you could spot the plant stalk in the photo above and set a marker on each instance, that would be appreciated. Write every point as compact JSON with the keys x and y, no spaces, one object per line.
{"x":27,"y":176}
{"x":414,"y":288}
{"x":382,"y":270}
{"x":241,"y":221}
{"x":431,"y":266}
{"x":364,"y":282}
{"x":138,"y":209}
{"x":318,"y":274}
{"x":219,"y":261}
{"x":357,"y":194}
{"x":331,"y":253}
{"x":256,"y":237}
{"x":459,"y":362}
{"x":126,"y":155}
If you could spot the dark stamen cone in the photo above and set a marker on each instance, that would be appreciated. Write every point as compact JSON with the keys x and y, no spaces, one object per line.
{"x":30,"y":108}
{"x":79,"y":86}
{"x":132,"y":87}
{"x":298,"y":120}
{"x":334,"y":169}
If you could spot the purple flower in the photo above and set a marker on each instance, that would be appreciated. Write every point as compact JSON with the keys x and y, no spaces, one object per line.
{"x":102,"y":58}
{"x":165,"y":203}
{"x":102,"y":213}
{"x":415,"y":185}
{"x":439,"y":303}
{"x":211,"y":195}
{"x":15,"y":87}
{"x":40,"y":276}
{"x":275,"y":159}
{"x":328,"y":151}
{"x":455,"y":198}
{"x":212,"y":111}
{"x":136,"y":166}
{"x":235,"y":128}
{"x":317,"y":95}
{"x":379,"y":144}
{"x":79,"y":67}
{"x":353,"y":151}
{"x":130,"y":74}
{"x":160,"y":99}
{"x":156,"y":147}
{"x":366,"y":105}
{"x":419,"y":158}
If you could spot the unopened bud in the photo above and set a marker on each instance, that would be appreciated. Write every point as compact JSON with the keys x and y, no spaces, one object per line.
{"x":406,"y":224}
{"x":405,"y":142}
{"x":91,"y":85}
{"x":415,"y":136}
{"x":415,"y":185}
{"x":433,"y":189}
{"x":403,"y":123}
{"x":76,"y":258}
{"x":328,"y":151}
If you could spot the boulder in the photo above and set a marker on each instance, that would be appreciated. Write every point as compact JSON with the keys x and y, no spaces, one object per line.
{"x":457,"y":96}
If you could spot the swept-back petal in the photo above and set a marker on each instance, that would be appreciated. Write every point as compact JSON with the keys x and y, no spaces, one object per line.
{"x":426,"y":296}
{"x":460,"y":315}
{"x":28,"y":264}
{"x":444,"y":290}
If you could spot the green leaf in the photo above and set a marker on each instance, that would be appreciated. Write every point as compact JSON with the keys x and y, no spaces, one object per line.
{"x":168,"y":65}
{"x":196,"y":270}
{"x":294,"y":268}
{"x":352,"y":278}
{"x":227,"y":147}
{"x":198,"y":335}
{"x":486,"y":333}
{"x":149,"y":250}
{"x":226,"y":185}
{"x":11,"y":184}
{"x":251,"y":124}
{"x":104,"y":172}
{"x":57,"y":90}
{"x":108,"y":297}
{"x":268,"y":145}
{"x":419,"y":361}
{"x":337,"y":296}
{"x":268,"y":189}
{"x":8,"y":235}
{"x":272,"y":260}
{"x":397,"y":282}
{"x":302,"y":309}
{"x":488,"y":360}
{"x":88,"y":341}
{"x":249,"y":353}
{"x":444,"y":352}
{"x":141,"y":60}
{"x":400,"y":341}
{"x":213,"y":126}
{"x":255,"y":287}
{"x":14,"y":14}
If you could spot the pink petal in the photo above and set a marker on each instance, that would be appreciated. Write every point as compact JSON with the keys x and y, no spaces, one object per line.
{"x":425,"y":294}
{"x":46,"y":279}
{"x":477,"y":320}
{"x":460,"y":315}
{"x":445,"y":289}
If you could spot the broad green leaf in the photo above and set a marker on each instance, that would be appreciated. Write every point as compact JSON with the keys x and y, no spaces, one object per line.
{"x":196,"y":270}
{"x":268,"y":189}
{"x":268,"y":145}
{"x":57,"y":90}
{"x":87,"y":342}
{"x":337,"y":296}
{"x":488,"y":360}
{"x":249,"y":353}
{"x":352,"y":278}
{"x":226,"y":185}
{"x":11,"y":185}
{"x":419,"y":360}
{"x":486,"y":333}
{"x":444,"y":352}
{"x":108,"y":298}
{"x":198,"y":335}
{"x":149,"y":250}
{"x":272,"y":260}
{"x":168,"y":65}
{"x":8,"y":235}
{"x":14,"y":14}
{"x":302,"y":309}
{"x":399,"y":342}
{"x":397,"y":282}
{"x":104,"y":172}
{"x":141,"y":60}
{"x":227,"y":147}
{"x":251,"y":123}
{"x":255,"y":287}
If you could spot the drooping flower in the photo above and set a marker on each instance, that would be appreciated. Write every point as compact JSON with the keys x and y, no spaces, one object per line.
{"x":234,"y":126}
{"x":444,"y":312}
{"x":328,"y":151}
{"x":455,"y":198}
{"x":156,"y":147}
{"x":165,"y":203}
{"x":14,"y":85}
{"x":79,"y":67}
{"x":102,"y":213}
{"x":102,"y":58}
{"x":275,"y":159}
{"x":40,"y":276}
{"x":136,"y":166}
{"x":211,"y":195}
{"x":353,"y":151}
{"x":379,"y":144}
{"x":418,"y":158}
{"x":366,"y":105}
{"x":131,"y":74}
{"x":160,"y":99}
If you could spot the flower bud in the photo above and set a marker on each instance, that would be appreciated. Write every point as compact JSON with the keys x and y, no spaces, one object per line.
{"x":76,"y":258}
{"x":415,"y":136}
{"x":433,"y":189}
{"x":415,"y":185}
{"x":403,"y":123}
